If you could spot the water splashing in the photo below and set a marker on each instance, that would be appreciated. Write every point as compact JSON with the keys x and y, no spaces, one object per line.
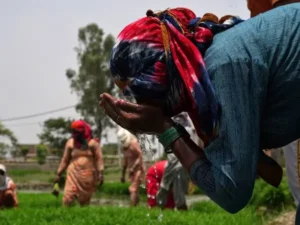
{"x":160,"y":217}
{"x":144,"y":141}
{"x":145,"y":144}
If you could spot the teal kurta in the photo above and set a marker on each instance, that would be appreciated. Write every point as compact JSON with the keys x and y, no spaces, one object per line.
{"x":255,"y":70}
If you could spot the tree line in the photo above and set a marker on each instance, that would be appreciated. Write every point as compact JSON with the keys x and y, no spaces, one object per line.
{"x":90,"y":79}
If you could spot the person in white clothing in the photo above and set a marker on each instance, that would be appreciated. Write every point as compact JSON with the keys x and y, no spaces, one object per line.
{"x":292,"y":164}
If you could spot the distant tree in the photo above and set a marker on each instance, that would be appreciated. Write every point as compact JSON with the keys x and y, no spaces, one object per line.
{"x":55,"y":134}
{"x":24,"y":152}
{"x":3,"y":150}
{"x":41,"y":153}
{"x":93,"y":75}
{"x":5,"y":132}
{"x":14,"y":152}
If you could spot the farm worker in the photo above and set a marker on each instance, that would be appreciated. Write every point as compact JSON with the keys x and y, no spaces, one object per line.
{"x":8,"y":193}
{"x":84,"y":163}
{"x":292,"y":150}
{"x":153,"y":180}
{"x":292,"y":164}
{"x":133,"y":160}
{"x":238,"y":80}
{"x":175,"y":177}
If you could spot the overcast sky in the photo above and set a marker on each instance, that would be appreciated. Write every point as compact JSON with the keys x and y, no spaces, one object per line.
{"x":37,"y":46}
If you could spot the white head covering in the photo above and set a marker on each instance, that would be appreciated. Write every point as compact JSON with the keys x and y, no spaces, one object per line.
{"x":3,"y":168}
{"x":124,"y":137}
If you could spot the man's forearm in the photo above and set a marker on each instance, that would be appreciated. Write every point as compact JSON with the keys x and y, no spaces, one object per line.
{"x":61,"y":169}
{"x":187,"y":152}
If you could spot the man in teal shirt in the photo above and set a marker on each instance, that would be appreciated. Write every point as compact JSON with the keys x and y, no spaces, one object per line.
{"x":254,"y":70}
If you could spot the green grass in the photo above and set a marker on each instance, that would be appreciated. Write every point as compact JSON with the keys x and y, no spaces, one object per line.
{"x":276,"y":199}
{"x":31,"y":176}
{"x":45,"y":209}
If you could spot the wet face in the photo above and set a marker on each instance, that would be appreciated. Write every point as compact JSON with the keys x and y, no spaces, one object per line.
{"x":152,"y":102}
{"x":158,"y":103}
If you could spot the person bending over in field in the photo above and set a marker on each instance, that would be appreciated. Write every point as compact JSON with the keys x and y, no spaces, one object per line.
{"x":8,"y":194}
{"x":133,"y":159}
{"x":175,"y":177}
{"x":153,"y":180}
{"x":238,"y":80}
{"x":291,"y":151}
{"x":84,"y":163}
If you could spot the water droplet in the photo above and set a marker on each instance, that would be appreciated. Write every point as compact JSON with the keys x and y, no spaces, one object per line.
{"x":160,"y":217}
{"x":147,"y":150}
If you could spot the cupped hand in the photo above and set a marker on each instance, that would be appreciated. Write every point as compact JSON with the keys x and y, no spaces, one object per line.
{"x":136,"y":118}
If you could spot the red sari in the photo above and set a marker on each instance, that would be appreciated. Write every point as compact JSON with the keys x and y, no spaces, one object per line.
{"x":153,"y":179}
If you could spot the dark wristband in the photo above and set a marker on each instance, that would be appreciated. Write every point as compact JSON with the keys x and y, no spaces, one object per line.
{"x":171,"y":135}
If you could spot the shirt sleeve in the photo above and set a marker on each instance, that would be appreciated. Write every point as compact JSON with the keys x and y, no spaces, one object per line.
{"x":228,"y":173}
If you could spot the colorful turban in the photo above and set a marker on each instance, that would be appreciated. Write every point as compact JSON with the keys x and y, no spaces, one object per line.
{"x":81,"y":133}
{"x":160,"y":57}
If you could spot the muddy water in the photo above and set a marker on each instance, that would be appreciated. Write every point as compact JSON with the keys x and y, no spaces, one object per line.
{"x":34,"y":186}
{"x":111,"y":202}
{"x":121,"y":201}
{"x":125,"y":202}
